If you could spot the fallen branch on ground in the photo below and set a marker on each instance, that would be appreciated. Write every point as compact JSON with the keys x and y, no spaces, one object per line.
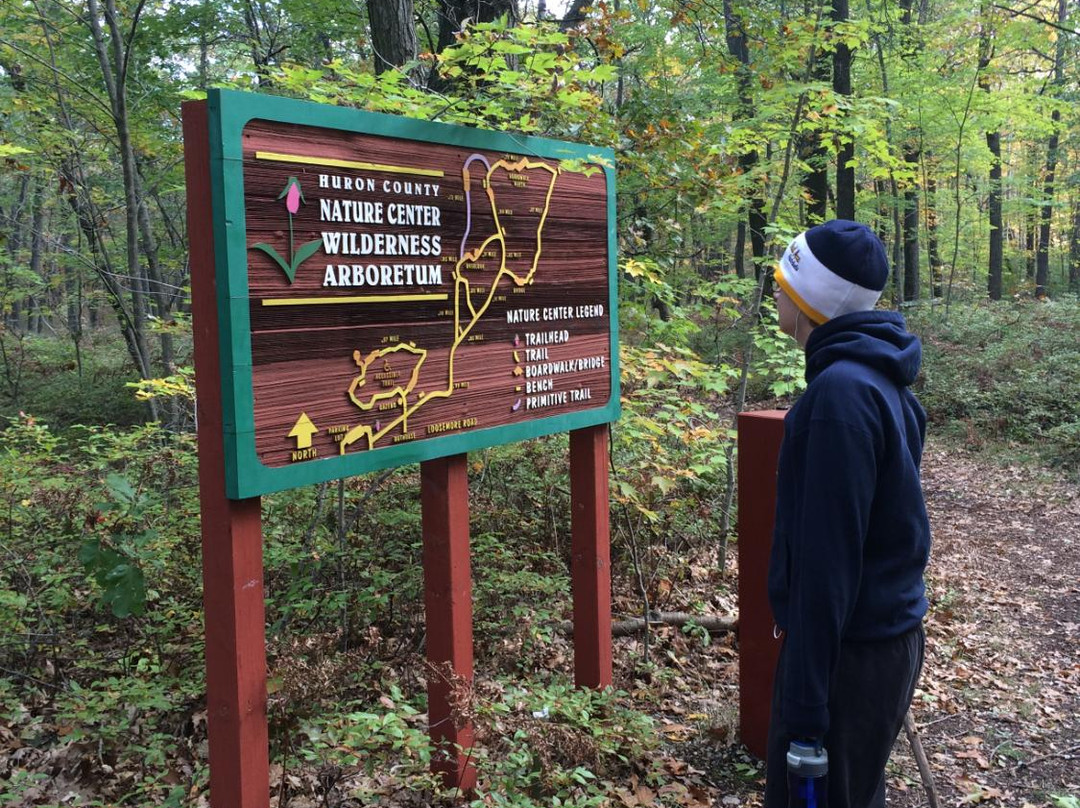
{"x":713,"y":623}
{"x":925,"y":773}
{"x":1064,"y":754}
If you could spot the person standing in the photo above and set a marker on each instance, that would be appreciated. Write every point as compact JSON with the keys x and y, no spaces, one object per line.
{"x":852,"y":538}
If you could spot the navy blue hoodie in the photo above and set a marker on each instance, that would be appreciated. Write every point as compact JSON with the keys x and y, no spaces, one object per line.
{"x":852,"y":538}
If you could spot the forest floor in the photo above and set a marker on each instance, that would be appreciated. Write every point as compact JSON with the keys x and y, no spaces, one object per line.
{"x":998,"y":704}
{"x":997,"y":709}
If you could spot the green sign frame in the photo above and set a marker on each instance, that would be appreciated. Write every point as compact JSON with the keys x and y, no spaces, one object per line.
{"x":228,"y":113}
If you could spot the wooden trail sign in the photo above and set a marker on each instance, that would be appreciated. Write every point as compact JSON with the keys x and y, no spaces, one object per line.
{"x":392,"y":290}
{"x":369,"y":291}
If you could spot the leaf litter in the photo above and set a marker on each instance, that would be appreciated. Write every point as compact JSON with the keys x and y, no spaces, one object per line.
{"x":997,"y":706}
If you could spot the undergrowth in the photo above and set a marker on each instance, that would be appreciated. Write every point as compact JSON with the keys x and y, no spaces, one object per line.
{"x":1005,"y":377}
{"x":100,"y":589}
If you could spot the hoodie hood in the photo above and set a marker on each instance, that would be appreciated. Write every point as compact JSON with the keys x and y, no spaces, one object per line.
{"x":875,"y":339}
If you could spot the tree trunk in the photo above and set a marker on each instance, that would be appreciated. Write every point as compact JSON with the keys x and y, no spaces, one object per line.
{"x":845,"y":173}
{"x":900,"y":274}
{"x":912,"y":285}
{"x":73,"y":296}
{"x":739,"y":251}
{"x":75,"y":189}
{"x":812,"y":150}
{"x":993,"y":142}
{"x":1031,"y":228}
{"x":933,"y":255}
{"x":575,"y":14}
{"x":160,"y":294}
{"x":37,"y":256}
{"x":1042,"y":255}
{"x":911,"y":233}
{"x":393,"y":33}
{"x":997,"y":252}
{"x":135,"y":195}
{"x":1074,"y":248}
{"x":453,"y":14}
{"x":262,"y":34}
{"x":816,"y":181}
{"x":14,"y":226}
{"x":1042,"y":258}
{"x":748,"y":163}
{"x":114,"y":74}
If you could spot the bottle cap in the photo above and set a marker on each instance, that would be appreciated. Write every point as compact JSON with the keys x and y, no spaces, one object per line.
{"x":807,"y":760}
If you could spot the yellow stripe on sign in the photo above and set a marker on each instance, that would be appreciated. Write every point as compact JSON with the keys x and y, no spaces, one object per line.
{"x":328,"y":301}
{"x":333,"y":162}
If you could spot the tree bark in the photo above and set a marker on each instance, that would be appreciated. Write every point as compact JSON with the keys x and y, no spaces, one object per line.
{"x":575,"y":15}
{"x":933,"y":255}
{"x":1031,"y":228}
{"x":994,"y":269}
{"x":114,"y":75}
{"x":912,"y":281}
{"x":393,"y":33}
{"x":816,"y":181}
{"x":262,"y":33}
{"x":845,"y":173}
{"x":37,"y":257}
{"x":1074,"y":248}
{"x":14,"y":226}
{"x":993,"y":143}
{"x":911,"y":233}
{"x":158,"y":293}
{"x":812,"y":150}
{"x":1042,"y":257}
{"x":997,"y":251}
{"x":1046,"y":212}
{"x":755,"y":222}
{"x":900,"y":274}
{"x":453,"y":14}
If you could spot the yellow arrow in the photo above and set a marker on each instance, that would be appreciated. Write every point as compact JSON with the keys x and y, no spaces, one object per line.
{"x":302,"y":430}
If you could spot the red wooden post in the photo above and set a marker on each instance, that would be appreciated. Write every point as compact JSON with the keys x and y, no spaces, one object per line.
{"x":448,"y":604}
{"x":760,"y":435}
{"x":231,"y":532}
{"x":591,"y":562}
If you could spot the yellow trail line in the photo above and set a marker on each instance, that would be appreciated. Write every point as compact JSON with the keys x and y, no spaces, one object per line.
{"x":460,"y":334}
{"x":333,"y":162}
{"x":357,"y":432}
{"x":330,"y":301}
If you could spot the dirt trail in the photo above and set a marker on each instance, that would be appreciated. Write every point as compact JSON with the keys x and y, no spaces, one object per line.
{"x":999,"y":703}
{"x":998,"y":707}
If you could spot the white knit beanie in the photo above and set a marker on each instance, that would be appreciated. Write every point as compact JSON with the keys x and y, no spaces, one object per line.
{"x":832,"y":269}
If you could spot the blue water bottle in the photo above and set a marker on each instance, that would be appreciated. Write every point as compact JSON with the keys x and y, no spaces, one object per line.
{"x":808,"y":768}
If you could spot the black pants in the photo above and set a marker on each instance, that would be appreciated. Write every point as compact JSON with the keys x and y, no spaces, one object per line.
{"x":869,"y":696}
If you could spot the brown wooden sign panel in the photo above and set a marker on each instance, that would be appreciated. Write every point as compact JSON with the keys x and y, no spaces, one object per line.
{"x":403,"y":290}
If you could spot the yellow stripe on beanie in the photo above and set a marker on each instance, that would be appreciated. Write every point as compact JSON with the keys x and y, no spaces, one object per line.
{"x":816,"y":316}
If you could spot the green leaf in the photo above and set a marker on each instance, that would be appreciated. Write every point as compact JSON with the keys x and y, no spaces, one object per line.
{"x":120,"y":488}
{"x":304,"y":253}
{"x":125,"y":589}
{"x":266,"y":248}
{"x":88,"y":553}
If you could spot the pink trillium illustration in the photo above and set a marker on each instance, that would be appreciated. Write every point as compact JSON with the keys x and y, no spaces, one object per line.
{"x":293,"y":195}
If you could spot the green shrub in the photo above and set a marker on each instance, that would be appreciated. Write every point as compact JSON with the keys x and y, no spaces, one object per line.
{"x":41,"y":376}
{"x":1005,"y":374}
